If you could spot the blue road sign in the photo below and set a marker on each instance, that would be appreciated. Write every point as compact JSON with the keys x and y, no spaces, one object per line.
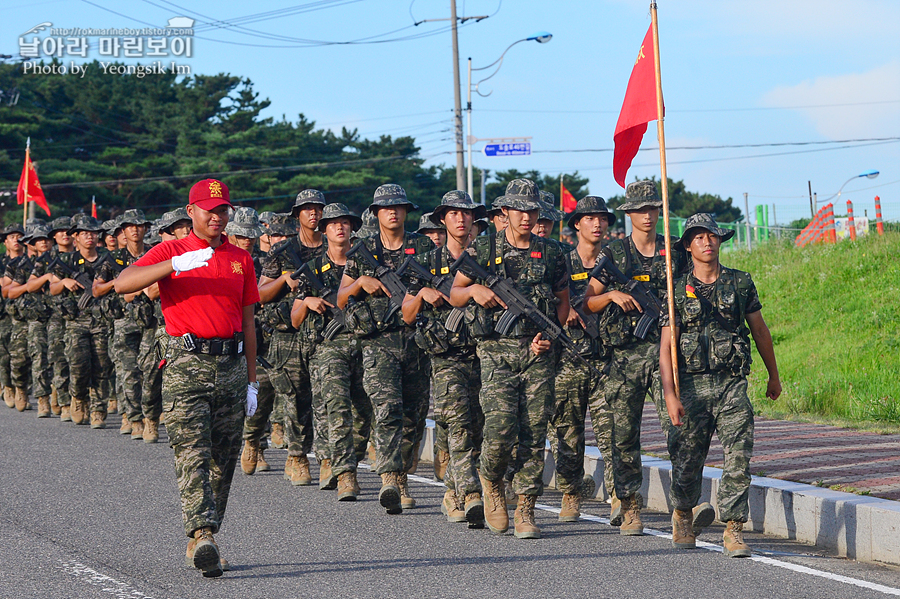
{"x":508,"y":149}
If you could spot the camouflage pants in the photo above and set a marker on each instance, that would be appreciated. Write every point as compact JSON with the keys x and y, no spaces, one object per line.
{"x":577,"y":390}
{"x":5,"y":331}
{"x":56,"y":352}
{"x":41,"y":370}
{"x":717,"y":402}
{"x":338,"y":387}
{"x":633,"y":373}
{"x":255,"y":426}
{"x":19,"y":365}
{"x":395,"y":377}
{"x":290,"y":354}
{"x":516,"y":397}
{"x":204,"y":398}
{"x":89,"y":365}
{"x":152,"y":349}
{"x":126,"y":347}
{"x":455,"y":386}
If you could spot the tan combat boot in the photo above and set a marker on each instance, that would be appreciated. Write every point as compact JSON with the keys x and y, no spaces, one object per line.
{"x":79,"y":411}
{"x":406,"y":500}
{"x":113,"y":406}
{"x":205,"y":556}
{"x":389,"y":496}
{"x":327,"y":480}
{"x":452,"y":508}
{"x":137,"y":430}
{"x":261,"y":464}
{"x":704,"y":514}
{"x":277,"y":435}
{"x":22,"y":402}
{"x":9,"y":397}
{"x":570,"y":509}
{"x":441,"y":461}
{"x":250,"y":456}
{"x":615,"y":510}
{"x":474,"y":509}
{"x":98,"y":420}
{"x":733,"y":540}
{"x":495,"y":513}
{"x":683,"y":530}
{"x":65,"y":414}
{"x":588,"y":488}
{"x":125,"y":429}
{"x":43,"y":410}
{"x":54,"y":403}
{"x":631,"y":516}
{"x":151,"y":430}
{"x":289,"y":466}
{"x":301,"y":477}
{"x":189,"y":557}
{"x":347,"y":487}
{"x":523,"y":518}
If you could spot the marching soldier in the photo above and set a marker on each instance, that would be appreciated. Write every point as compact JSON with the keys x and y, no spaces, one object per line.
{"x":432,"y":230}
{"x":56,"y":326}
{"x":11,"y":236}
{"x":38,"y":313}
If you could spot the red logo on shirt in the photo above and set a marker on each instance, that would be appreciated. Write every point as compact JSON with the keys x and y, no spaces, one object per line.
{"x":662,"y":251}
{"x":410,"y":250}
{"x":535,"y":254}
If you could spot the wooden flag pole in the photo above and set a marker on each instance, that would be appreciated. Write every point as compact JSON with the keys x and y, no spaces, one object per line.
{"x":661,"y":134}
{"x":27,"y":166}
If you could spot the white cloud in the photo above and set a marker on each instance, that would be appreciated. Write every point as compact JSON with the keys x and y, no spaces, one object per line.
{"x":847,"y":122}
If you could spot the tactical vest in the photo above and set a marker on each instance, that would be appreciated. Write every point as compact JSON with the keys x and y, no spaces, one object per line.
{"x":579,"y":278}
{"x":330,"y":274}
{"x":277,"y":315}
{"x":713,"y":334}
{"x":68,"y":302}
{"x":431,"y":333}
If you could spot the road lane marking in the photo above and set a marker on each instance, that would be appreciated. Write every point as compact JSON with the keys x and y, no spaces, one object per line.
{"x":107,"y":584}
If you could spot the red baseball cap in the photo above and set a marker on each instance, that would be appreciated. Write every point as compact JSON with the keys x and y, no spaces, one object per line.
{"x":209,"y":194}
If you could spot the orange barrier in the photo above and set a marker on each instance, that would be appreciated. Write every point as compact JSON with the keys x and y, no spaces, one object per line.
{"x":878,"y":223}
{"x":829,"y":235}
{"x":851,"y":223}
{"x":815,"y":231}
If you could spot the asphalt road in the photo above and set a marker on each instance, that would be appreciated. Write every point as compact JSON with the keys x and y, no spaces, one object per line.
{"x":92,"y":514}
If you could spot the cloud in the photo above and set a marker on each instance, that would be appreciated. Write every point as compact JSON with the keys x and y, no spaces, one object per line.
{"x":864,"y":119}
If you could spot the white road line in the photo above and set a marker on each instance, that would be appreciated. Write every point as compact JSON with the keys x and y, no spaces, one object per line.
{"x":114,"y":587}
{"x":718,"y":548}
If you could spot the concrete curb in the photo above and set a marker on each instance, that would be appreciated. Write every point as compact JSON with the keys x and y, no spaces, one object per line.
{"x":854,"y":526}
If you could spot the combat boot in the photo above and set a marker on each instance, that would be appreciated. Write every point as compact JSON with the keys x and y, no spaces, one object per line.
{"x":370,"y":452}
{"x":261,"y":464}
{"x":683,"y":530}
{"x":79,"y":411}
{"x":22,"y":402}
{"x":301,"y":477}
{"x":54,"y":403}
{"x":704,"y":514}
{"x":113,"y":406}
{"x":631,"y":516}
{"x":615,"y":510}
{"x":347,"y":487}
{"x":570,"y":509}
{"x":98,"y":420}
{"x":327,"y":480}
{"x":43,"y":410}
{"x":389,"y":495}
{"x":588,"y":487}
{"x":137,"y":430}
{"x":523,"y":518}
{"x":495,"y":513}
{"x":189,"y":557}
{"x":441,"y":461}
{"x":250,"y":456}
{"x":451,"y":507}
{"x":474,"y":509}
{"x":733,"y":540}
{"x":512,"y":500}
{"x":406,"y":500}
{"x":125,"y":429}
{"x":205,"y":555}
{"x":289,"y":466}
{"x":415,"y":459}
{"x":151,"y":430}
{"x":277,"y":436}
{"x":9,"y":397}
{"x":65,"y":414}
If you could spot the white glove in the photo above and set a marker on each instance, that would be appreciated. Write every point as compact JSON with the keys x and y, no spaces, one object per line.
{"x":191,"y":260}
{"x":252,"y":392}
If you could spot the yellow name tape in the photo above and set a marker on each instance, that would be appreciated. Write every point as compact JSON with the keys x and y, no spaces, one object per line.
{"x":580,"y":276}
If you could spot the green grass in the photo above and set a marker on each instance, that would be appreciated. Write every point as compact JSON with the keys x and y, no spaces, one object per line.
{"x":834,"y":314}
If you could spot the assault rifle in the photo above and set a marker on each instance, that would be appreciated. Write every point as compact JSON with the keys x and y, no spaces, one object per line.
{"x":337,"y":317}
{"x":386,"y":275}
{"x":518,"y":305}
{"x":442,"y":283}
{"x":646,"y":299}
{"x":82,"y":278}
{"x":591,"y":322}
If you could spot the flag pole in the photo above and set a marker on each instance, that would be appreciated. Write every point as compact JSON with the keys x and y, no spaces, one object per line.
{"x":562,"y":208}
{"x":661,"y":134}
{"x":27,"y":166}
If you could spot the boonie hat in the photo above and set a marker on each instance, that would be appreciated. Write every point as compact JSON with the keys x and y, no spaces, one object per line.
{"x":265,"y":216}
{"x":244,"y":222}
{"x":209,"y":194}
{"x":590,"y":205}
{"x":336,"y":210}
{"x":390,"y":194}
{"x":704,"y":220}
{"x":132,"y":217}
{"x":369,"y":225}
{"x":13,"y":228}
{"x":308,"y":196}
{"x":39,"y":231}
{"x":548,"y":208}
{"x":63,"y":223}
{"x":460,"y":200}
{"x":85,"y":222}
{"x":284,"y":225}
{"x":426,"y":224}
{"x":521,"y":194}
{"x":171,"y":218}
{"x":640,"y":194}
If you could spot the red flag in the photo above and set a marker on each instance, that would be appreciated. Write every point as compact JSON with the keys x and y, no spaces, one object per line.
{"x":35,"y":193}
{"x":638,"y":109}
{"x":569,"y":203}
{"x":93,"y":208}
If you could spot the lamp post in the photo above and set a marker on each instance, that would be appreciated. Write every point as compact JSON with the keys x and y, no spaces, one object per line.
{"x":541,"y":37}
{"x":868,"y":175}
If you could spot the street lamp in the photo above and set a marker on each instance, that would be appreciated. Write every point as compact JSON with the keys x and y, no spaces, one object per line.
{"x":868,"y":175}
{"x":541,"y":37}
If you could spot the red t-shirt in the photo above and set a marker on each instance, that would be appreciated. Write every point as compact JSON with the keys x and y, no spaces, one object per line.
{"x":207,"y":301}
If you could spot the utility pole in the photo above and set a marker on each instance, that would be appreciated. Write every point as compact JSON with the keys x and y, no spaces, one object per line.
{"x":457,"y":102}
{"x":812,"y":205}
{"x":747,"y":212}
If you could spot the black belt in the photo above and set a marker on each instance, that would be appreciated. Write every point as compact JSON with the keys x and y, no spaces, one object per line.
{"x":233,"y":346}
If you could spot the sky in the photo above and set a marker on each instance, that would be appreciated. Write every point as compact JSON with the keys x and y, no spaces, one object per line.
{"x":809,"y":89}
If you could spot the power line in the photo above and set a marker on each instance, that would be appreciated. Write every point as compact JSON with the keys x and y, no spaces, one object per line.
{"x":728,"y":146}
{"x":672,"y":111}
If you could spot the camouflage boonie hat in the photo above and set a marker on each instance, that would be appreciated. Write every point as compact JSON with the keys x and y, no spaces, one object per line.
{"x":521,"y":194}
{"x":13,"y":228}
{"x":133,"y":217}
{"x":284,"y":225}
{"x":548,"y":208}
{"x":390,"y":194}
{"x":170,"y":218}
{"x":85,"y":222}
{"x":640,"y":194}
{"x":38,"y":231}
{"x":427,"y":224}
{"x":152,"y":238}
{"x":704,"y":220}
{"x":482,"y":224}
{"x":63,"y":223}
{"x":308,"y":196}
{"x":460,"y":200}
{"x":337,"y":210}
{"x":265,"y":217}
{"x":108,"y":227}
{"x":244,"y":222}
{"x":369,"y":225}
{"x":590,"y":205}
{"x":494,"y":210}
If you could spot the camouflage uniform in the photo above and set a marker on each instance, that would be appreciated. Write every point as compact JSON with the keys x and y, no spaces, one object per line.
{"x":18,"y":270}
{"x":154,"y":342}
{"x":6,"y":320}
{"x":255,"y":426}
{"x":56,"y":331}
{"x":38,"y":318}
